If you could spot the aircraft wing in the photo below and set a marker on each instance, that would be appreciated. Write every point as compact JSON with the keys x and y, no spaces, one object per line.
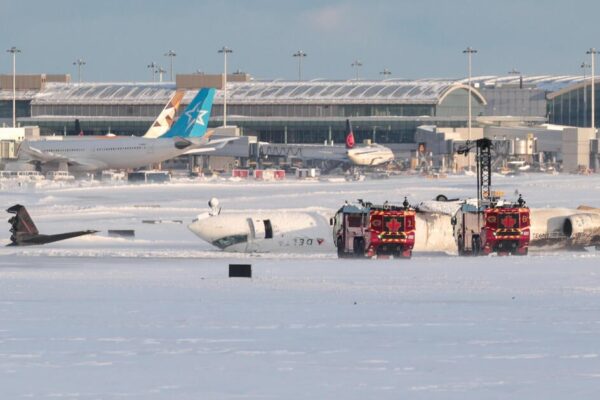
{"x":36,"y":154}
{"x":39,"y":155}
{"x":211,"y":145}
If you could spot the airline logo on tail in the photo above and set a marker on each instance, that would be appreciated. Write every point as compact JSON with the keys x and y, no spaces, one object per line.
{"x":165,"y":119}
{"x":194,"y":120}
{"x":349,"y":135}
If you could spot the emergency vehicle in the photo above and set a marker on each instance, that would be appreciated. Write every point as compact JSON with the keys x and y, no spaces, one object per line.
{"x":490,"y":225}
{"x":367,"y":230}
{"x":496,"y":227}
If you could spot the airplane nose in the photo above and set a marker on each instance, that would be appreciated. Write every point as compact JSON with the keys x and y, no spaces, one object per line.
{"x":181,"y":143}
{"x":202,"y":228}
{"x":197,"y":229}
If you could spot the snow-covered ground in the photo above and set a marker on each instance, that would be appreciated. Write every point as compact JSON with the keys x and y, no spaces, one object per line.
{"x":156,"y":317}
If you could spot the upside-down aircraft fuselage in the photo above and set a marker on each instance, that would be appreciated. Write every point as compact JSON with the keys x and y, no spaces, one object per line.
{"x":309,"y":231}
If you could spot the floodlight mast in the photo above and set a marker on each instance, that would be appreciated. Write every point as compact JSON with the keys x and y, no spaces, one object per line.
{"x":584,"y":67}
{"x":592,"y":52}
{"x":469,"y":52}
{"x":300,"y":55}
{"x":171,"y":54}
{"x":152,"y":66}
{"x":225,"y":50}
{"x":356,"y":64}
{"x":79,"y":63}
{"x":385,"y":73}
{"x":14,"y":51}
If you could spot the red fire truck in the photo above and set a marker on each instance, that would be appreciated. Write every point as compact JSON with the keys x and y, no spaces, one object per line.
{"x":368,"y":230}
{"x":494,"y":228}
{"x":491,"y":225}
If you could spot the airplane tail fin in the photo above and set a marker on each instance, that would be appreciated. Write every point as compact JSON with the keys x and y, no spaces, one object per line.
{"x":21,"y":223}
{"x":78,"y":130}
{"x":165,"y":119}
{"x":349,"y":135}
{"x":194,"y":120}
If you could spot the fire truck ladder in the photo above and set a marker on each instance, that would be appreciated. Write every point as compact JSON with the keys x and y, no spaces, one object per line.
{"x":483,"y":160}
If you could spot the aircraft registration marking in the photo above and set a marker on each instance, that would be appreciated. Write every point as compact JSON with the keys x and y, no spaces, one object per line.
{"x":304,"y":241}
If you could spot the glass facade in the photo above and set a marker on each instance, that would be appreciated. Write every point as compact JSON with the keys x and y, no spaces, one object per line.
{"x":100,"y":126}
{"x":97,"y":110}
{"x":293,"y":112}
{"x":22,"y":109}
{"x":515,"y":101}
{"x":324,"y":110}
{"x":380,"y":131}
{"x":574,"y":107}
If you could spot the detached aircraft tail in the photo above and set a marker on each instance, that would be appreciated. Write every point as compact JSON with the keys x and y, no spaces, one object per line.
{"x":165,"y":119}
{"x":24,"y":232}
{"x":194,"y":120}
{"x":349,"y":135}
{"x":21,"y":222}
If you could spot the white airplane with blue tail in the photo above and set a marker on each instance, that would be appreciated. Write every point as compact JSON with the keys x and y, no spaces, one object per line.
{"x":188,"y":135}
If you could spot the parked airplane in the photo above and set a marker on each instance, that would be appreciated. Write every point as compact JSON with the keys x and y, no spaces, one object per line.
{"x":187,"y":136}
{"x":25,"y":233}
{"x":309,"y":231}
{"x":362,"y":156}
{"x":366,"y":156}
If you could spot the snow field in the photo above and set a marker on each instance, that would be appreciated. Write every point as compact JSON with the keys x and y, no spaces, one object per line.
{"x":155,"y":317}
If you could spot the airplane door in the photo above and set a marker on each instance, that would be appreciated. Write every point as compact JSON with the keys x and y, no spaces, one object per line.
{"x":257,"y":233}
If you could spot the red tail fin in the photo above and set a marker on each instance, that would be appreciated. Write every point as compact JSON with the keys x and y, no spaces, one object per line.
{"x":349,"y":135}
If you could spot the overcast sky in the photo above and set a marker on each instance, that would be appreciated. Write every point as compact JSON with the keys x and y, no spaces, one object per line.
{"x":413,"y":39}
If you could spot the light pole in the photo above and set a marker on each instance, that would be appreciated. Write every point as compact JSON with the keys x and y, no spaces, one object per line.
{"x":592,"y":52}
{"x":160,"y":70}
{"x":225,"y":50}
{"x":514,"y":71}
{"x":79,"y":62}
{"x":469,"y":52}
{"x":584,"y":66}
{"x":356,"y":64}
{"x":13,"y":50}
{"x":171,"y":54}
{"x":386,"y":72}
{"x":152,"y":66}
{"x":300,"y":55}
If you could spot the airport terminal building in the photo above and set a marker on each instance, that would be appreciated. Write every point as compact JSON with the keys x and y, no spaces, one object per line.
{"x":386,"y":111}
{"x":277,"y":111}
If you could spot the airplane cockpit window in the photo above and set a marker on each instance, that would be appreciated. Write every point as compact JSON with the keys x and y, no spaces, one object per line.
{"x":227,"y":241}
{"x":268,"y":229}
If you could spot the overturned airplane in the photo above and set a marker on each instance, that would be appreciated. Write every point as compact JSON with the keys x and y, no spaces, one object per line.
{"x":551,"y":228}
{"x":25,"y":233}
{"x":300,"y":231}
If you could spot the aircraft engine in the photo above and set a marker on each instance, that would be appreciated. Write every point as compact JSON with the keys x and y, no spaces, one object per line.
{"x":582,"y":229}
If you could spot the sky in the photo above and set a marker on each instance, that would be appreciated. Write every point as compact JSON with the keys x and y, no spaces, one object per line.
{"x":412,"y":38}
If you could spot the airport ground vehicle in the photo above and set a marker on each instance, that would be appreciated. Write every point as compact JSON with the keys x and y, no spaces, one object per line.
{"x":368,"y":230}
{"x":491,"y":225}
{"x":496,"y":227}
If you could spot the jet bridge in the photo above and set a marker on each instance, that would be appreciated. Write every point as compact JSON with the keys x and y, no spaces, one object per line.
{"x":302,"y":151}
